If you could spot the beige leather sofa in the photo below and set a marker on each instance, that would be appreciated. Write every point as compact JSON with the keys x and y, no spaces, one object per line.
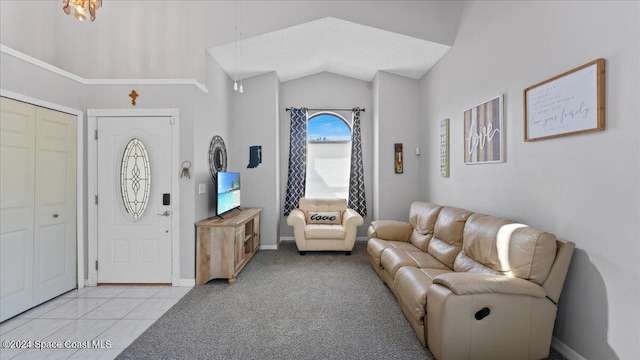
{"x":324,"y":225}
{"x":472,"y":285}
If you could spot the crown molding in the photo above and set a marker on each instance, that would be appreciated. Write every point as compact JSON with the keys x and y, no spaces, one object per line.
{"x":56,"y":70}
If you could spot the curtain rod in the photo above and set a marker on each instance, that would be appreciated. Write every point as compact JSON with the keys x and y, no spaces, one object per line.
{"x":289,"y":109}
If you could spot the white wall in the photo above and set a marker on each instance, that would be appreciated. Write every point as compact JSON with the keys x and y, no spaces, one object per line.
{"x":201,"y":116}
{"x":166,"y":39}
{"x":396,"y":118}
{"x":584,"y":188}
{"x":29,"y":26}
{"x":326,"y":90}
{"x":26,"y":79}
{"x":213,"y":114}
{"x":162,"y":96}
{"x":255,"y":122}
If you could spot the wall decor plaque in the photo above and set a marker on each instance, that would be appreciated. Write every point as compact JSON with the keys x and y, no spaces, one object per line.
{"x":483,"y":135}
{"x":567,"y":104}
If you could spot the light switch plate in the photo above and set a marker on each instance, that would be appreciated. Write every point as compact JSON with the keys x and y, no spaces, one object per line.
{"x":202,"y":188}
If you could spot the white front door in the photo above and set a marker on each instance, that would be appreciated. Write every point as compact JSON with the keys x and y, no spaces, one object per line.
{"x":134,"y":199}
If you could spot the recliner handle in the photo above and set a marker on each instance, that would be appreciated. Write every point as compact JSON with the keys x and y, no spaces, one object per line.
{"x":482,"y":313}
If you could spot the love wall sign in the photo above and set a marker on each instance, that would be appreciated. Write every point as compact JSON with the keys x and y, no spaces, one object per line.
{"x":483,"y":135}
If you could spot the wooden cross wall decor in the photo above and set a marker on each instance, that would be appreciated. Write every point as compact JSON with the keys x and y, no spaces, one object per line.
{"x":133,"y":97}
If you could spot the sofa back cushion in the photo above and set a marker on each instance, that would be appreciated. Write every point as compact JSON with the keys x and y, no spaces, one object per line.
{"x":447,"y":237}
{"x":423,"y":217}
{"x":314,"y":206}
{"x":517,"y":250}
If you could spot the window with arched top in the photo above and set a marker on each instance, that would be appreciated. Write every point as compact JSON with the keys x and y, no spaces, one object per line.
{"x":328,"y":156}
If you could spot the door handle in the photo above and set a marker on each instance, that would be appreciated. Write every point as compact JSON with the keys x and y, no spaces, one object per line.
{"x":166,"y":213}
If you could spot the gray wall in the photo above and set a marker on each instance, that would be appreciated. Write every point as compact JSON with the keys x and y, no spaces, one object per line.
{"x":255,"y":122}
{"x":584,"y":188}
{"x":326,"y":90}
{"x":212,"y":115}
{"x":396,"y":117}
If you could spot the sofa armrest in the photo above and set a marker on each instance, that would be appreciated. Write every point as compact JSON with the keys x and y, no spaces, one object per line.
{"x":351,"y":218}
{"x":474,"y":283}
{"x":296,"y":218}
{"x":390,"y":230}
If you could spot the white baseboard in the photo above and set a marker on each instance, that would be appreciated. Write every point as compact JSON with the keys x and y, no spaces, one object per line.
{"x":268,"y":247}
{"x":361,"y":238}
{"x":565,"y":350}
{"x":186,"y":282}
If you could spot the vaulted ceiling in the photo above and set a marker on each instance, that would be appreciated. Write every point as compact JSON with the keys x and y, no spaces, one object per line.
{"x":170,"y":39}
{"x":331,"y":45}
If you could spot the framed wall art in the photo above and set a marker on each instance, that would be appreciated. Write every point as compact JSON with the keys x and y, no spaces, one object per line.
{"x":399,"y":168}
{"x":444,"y":148}
{"x":567,"y":104}
{"x":483,"y":133}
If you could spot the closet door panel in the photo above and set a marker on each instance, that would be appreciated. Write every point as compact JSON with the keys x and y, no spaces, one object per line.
{"x":55,"y":199}
{"x":17,"y":184}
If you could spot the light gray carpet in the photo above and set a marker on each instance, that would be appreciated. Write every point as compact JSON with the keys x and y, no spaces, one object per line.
{"x":285,"y":306}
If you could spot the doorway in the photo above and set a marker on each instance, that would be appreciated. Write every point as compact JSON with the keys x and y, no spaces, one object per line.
{"x":133,"y":197}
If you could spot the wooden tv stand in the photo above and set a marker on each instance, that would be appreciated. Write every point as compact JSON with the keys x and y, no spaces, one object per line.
{"x":225,"y":245}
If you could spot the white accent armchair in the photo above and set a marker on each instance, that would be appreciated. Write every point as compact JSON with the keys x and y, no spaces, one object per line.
{"x":324,"y":225}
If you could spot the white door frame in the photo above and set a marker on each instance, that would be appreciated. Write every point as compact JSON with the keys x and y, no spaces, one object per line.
{"x":92,"y":184}
{"x":79,"y":171}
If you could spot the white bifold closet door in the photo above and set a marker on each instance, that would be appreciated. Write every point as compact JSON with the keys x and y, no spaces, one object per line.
{"x":37,"y":205}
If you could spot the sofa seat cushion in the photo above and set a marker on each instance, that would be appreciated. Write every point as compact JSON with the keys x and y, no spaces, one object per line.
{"x":393,"y":259}
{"x":321,"y":231}
{"x":412,"y":285}
{"x":376,"y":246}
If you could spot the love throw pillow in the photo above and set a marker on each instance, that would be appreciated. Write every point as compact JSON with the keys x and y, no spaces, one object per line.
{"x":327,"y":218}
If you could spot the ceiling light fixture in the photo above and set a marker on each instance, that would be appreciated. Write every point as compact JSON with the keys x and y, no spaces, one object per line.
{"x":235,"y":46}
{"x":241,"y":87}
{"x":81,"y":8}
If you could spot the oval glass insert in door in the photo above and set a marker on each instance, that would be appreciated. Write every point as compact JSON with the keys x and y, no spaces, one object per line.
{"x":135,"y":178}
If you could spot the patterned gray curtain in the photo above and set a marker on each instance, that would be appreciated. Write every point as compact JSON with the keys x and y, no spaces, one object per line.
{"x":357,"y":200}
{"x":297,"y":173}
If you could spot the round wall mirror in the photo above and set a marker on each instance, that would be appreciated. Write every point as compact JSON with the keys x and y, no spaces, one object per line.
{"x":217,"y":156}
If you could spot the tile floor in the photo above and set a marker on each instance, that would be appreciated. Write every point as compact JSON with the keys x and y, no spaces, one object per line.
{"x":107,"y":316}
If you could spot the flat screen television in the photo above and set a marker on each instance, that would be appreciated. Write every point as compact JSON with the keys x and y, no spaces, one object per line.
{"x":228,"y":192}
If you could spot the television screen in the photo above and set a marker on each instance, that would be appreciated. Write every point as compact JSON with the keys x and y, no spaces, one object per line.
{"x":228,"y":189}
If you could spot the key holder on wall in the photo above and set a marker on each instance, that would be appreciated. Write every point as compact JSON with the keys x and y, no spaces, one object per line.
{"x":186,"y":165}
